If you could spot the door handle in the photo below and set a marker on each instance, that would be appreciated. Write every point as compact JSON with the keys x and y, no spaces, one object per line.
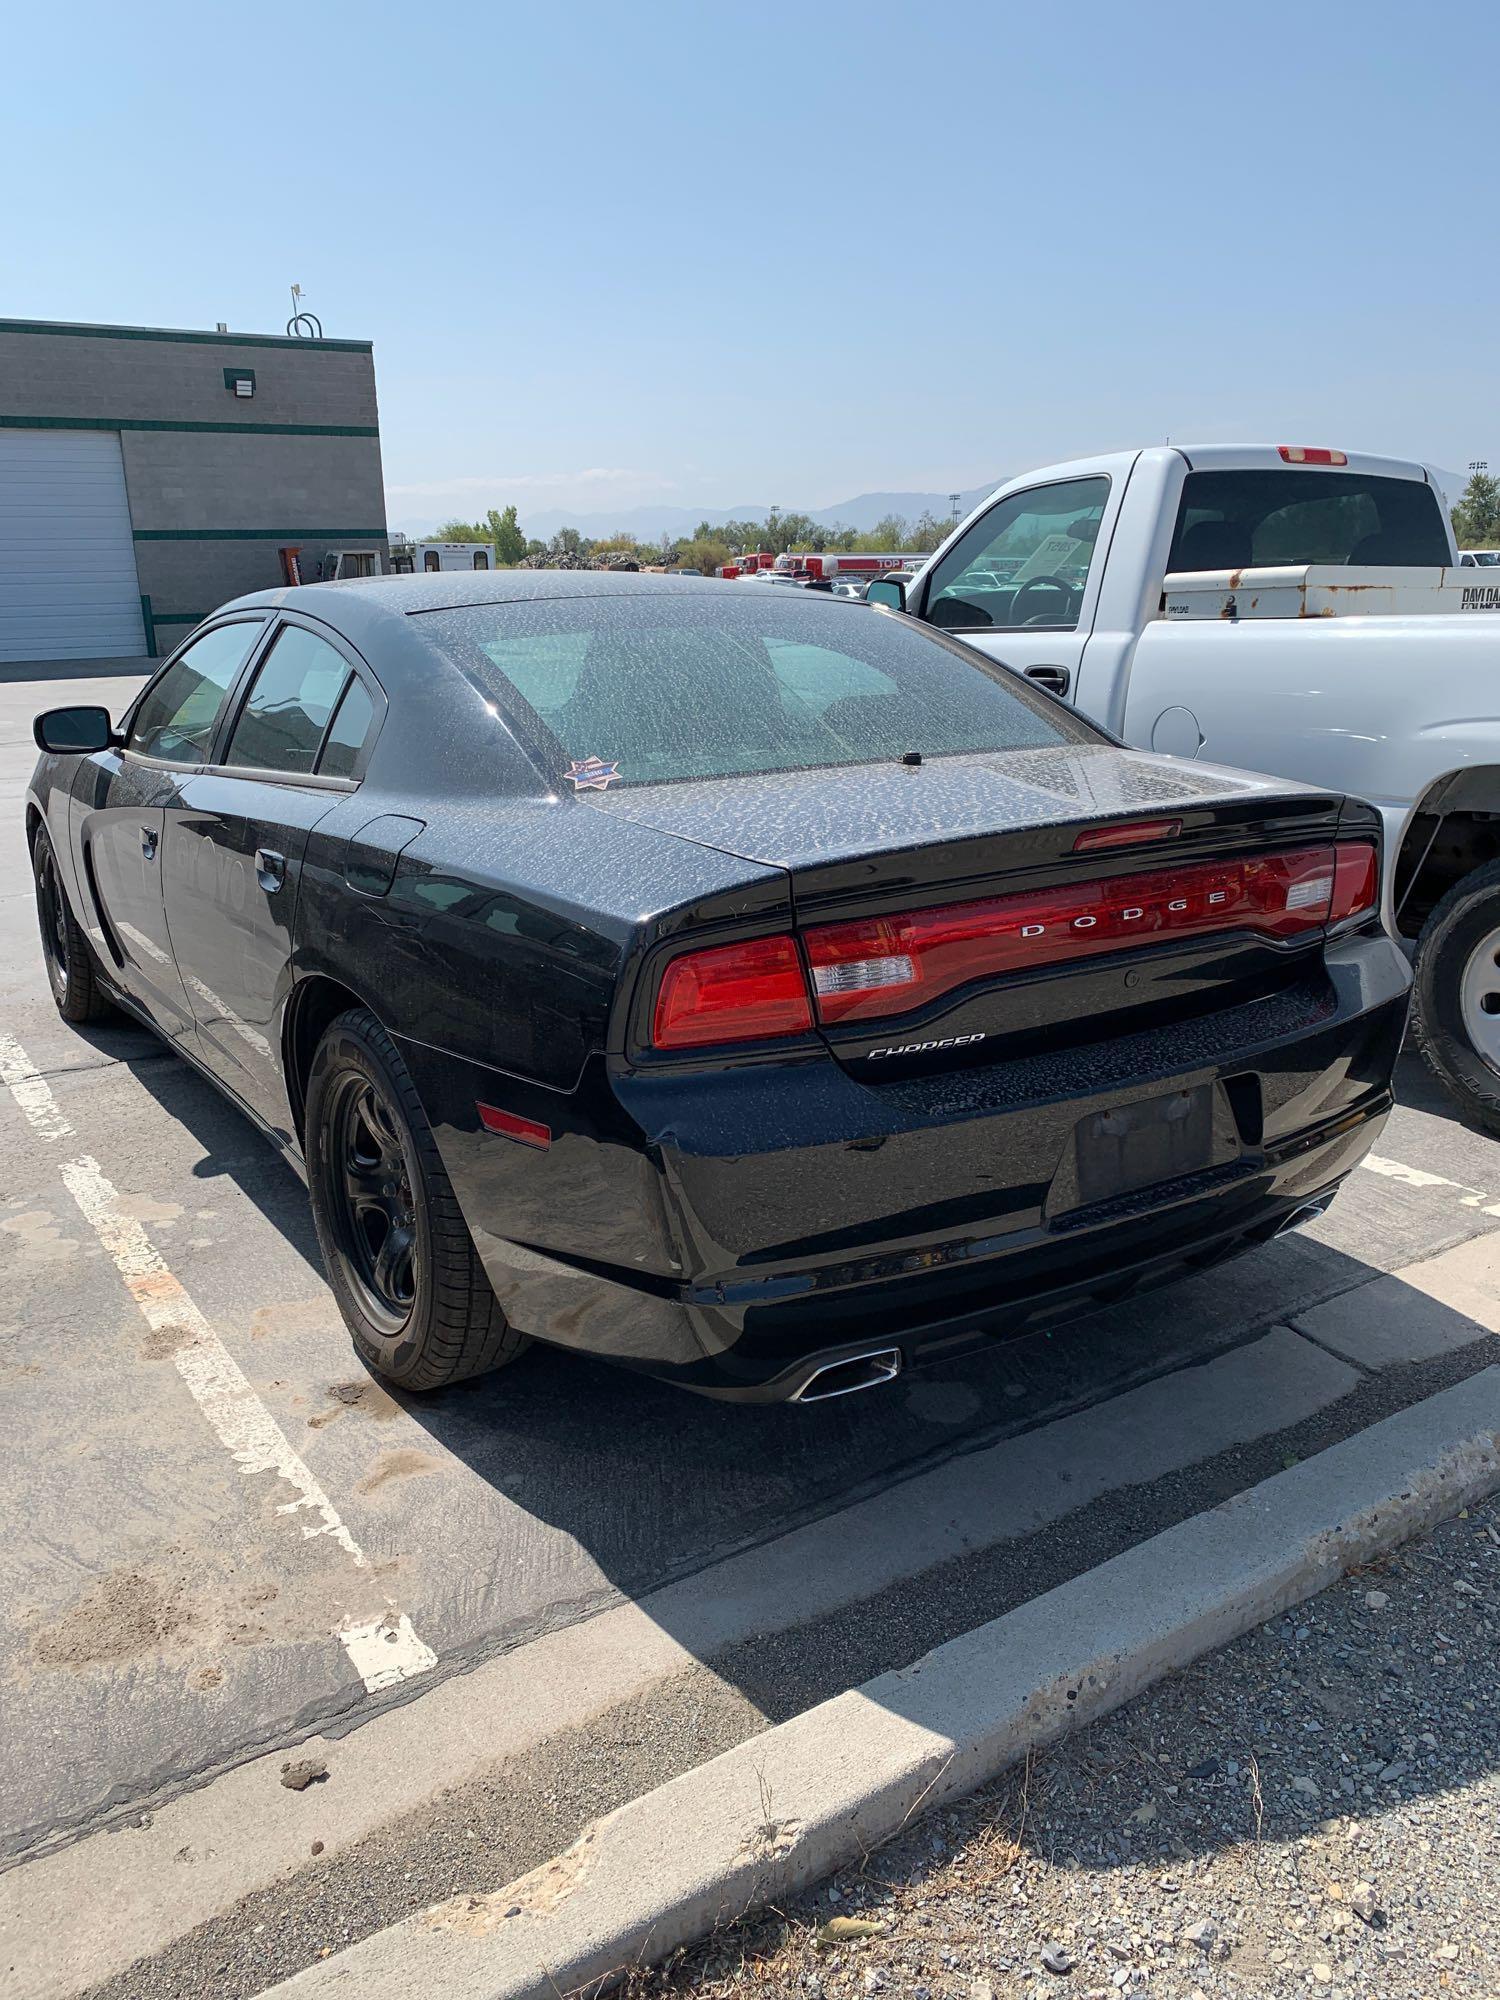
{"x":270,"y":869}
{"x":149,"y":838}
{"x":1056,"y":680}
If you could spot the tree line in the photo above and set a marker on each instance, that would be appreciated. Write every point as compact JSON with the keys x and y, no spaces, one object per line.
{"x":1476,"y":518}
{"x":1476,"y":524}
{"x":708,"y":548}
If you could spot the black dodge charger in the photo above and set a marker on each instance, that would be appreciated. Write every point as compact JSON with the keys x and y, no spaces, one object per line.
{"x":764,"y":992}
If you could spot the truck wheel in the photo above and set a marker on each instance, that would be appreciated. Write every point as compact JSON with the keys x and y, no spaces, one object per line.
{"x":1457,"y":1007}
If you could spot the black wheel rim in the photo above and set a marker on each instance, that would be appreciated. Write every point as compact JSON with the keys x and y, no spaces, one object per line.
{"x":52,"y":916}
{"x":374,"y":1213}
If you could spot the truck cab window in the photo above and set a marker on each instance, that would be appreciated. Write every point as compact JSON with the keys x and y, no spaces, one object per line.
{"x":1025,"y":562}
{"x":1237,"y":520}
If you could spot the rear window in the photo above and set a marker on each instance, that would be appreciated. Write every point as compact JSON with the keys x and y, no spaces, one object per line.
{"x":1235,"y":520}
{"x":660,"y":688}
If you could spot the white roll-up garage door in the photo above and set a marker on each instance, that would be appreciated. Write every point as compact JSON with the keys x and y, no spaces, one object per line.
{"x":68,"y":587}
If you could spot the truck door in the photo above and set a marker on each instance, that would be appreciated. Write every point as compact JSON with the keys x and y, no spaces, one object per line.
{"x":1022,"y":581}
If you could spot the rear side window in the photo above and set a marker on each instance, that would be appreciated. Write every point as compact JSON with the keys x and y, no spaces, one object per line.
{"x":180,"y":711}
{"x":665,"y":687}
{"x":351,"y":725}
{"x":1238,"y":520}
{"x":289,"y":703}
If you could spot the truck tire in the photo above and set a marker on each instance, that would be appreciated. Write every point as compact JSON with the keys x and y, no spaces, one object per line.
{"x":1456,"y":1017}
{"x":401,"y":1261}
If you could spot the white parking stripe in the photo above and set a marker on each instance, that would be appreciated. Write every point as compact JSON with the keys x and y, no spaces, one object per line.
{"x":1394,"y":1170}
{"x":31,"y":1091}
{"x":382,"y":1651}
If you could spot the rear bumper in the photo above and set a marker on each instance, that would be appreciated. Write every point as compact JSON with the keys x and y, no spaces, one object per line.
{"x":780,"y":1221}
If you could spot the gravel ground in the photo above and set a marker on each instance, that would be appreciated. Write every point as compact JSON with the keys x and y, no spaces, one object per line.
{"x":1314,"y":1810}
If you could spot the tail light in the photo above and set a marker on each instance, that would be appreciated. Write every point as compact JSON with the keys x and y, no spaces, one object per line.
{"x":1356,"y":880}
{"x":1311,"y":454}
{"x":889,"y":964}
{"x":732,"y":993}
{"x":885,"y":965}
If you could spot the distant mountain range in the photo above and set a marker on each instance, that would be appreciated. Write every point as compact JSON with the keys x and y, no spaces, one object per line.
{"x":650,"y":523}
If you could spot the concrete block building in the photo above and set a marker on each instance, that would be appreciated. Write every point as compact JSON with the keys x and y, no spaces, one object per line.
{"x":148,"y":474}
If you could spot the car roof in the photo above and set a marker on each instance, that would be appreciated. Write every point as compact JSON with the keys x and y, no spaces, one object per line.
{"x":445,"y":590}
{"x":376,"y":608}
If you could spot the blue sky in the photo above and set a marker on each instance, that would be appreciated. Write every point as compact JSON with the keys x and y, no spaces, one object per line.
{"x":616,"y":255}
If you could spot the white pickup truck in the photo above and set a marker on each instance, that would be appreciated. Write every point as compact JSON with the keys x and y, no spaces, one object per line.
{"x":1287,"y":608}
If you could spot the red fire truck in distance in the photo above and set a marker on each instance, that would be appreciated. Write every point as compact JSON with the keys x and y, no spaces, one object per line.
{"x":832,"y":563}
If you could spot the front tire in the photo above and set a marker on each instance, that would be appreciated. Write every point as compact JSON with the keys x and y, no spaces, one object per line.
{"x":400,"y":1258}
{"x":76,"y":991}
{"x":1456,"y":1018}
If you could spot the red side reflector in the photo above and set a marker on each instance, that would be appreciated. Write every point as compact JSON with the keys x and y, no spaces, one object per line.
{"x":1311,"y":454}
{"x":509,"y":1126}
{"x":1356,"y":880}
{"x":888,"y":965}
{"x":1134,"y":834}
{"x":732,"y":993}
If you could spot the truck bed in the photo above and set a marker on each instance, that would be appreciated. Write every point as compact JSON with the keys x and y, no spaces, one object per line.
{"x":1326,"y":590}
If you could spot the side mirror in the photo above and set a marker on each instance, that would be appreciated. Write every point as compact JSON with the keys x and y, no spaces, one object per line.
{"x":887,"y":590}
{"x":68,"y":731}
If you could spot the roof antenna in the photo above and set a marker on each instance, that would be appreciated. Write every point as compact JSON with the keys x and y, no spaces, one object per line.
{"x":303,"y":325}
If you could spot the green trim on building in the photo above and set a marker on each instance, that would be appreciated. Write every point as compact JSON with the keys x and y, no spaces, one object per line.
{"x":178,"y":618}
{"x":172,"y":424}
{"x":260,"y":534}
{"x":81,"y":332}
{"x":149,"y":624}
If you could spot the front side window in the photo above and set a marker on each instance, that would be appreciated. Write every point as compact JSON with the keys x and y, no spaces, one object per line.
{"x":291,"y":698}
{"x":180,"y":711}
{"x":1242,"y":520}
{"x":660,"y":688}
{"x":1024,"y":563}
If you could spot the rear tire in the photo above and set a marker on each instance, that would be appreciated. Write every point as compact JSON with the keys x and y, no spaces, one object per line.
{"x":400,"y":1258}
{"x":65,"y":950}
{"x":1456,"y":1018}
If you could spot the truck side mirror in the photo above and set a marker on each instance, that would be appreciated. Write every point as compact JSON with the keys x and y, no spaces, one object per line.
{"x":887,"y":590}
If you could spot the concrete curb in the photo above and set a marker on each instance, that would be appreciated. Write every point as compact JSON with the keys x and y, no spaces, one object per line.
{"x":788,"y":1807}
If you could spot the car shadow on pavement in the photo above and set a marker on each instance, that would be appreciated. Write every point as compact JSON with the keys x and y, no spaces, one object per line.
{"x":655,"y":1486}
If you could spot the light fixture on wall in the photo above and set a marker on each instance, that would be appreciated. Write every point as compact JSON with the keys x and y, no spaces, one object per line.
{"x":240,"y":381}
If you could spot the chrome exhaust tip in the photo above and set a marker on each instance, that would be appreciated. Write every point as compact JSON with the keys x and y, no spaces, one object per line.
{"x":848,"y":1375}
{"x":1307,"y":1211}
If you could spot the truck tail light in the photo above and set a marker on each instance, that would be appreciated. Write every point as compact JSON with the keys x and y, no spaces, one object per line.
{"x":732,"y":993}
{"x":1311,"y":454}
{"x":886,"y":965}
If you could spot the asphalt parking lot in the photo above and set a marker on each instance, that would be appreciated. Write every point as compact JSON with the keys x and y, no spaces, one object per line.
{"x":227,"y":1539}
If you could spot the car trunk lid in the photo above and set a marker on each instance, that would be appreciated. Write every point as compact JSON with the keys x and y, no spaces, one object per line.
{"x":957,"y":910}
